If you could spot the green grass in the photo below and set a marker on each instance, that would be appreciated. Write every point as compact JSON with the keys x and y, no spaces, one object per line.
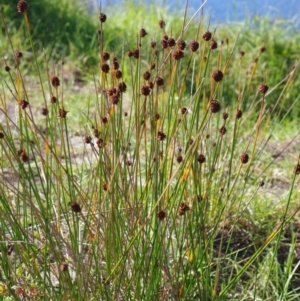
{"x":113,"y":201}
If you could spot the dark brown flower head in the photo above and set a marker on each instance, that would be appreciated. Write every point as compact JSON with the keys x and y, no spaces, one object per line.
{"x":171,"y":42}
{"x":24,"y":104}
{"x":155,"y":52}
{"x":179,"y":159}
{"x":184,"y":110}
{"x":118,"y":74}
{"x":44,"y":111}
{"x":239,"y":113}
{"x":157,"y":116}
{"x":222,"y":130}
{"x":23,"y":156}
{"x":159,"y":81}
{"x":122,"y":87}
{"x":225,"y":115}
{"x":105,"y":186}
{"x":151,"y":85}
{"x":146,"y":75}
{"x":22,"y":6}
{"x":18,"y":54}
{"x":75,"y":207}
{"x":96,"y":132}
{"x":55,"y":81}
{"x":64,"y":267}
{"x":7,"y":69}
{"x":215,"y":106}
{"x":152,"y":66}
{"x":242,"y":53}
{"x":177,"y":54}
{"x":183,"y":208}
{"x":136,"y":53}
{"x":161,"y":215}
{"x":161,"y":136}
{"x":145,"y":90}
{"x":194,"y":45}
{"x":262,"y":49}
{"x":181,"y":44}
{"x":129,"y":53}
{"x":102,"y":17}
{"x":261,"y":184}
{"x":1,"y":135}
{"x":217,"y":75}
{"x":213,"y":44}
{"x":153,"y":44}
{"x":115,"y":65}
{"x":53,"y":99}
{"x":88,"y":139}
{"x":105,"y":56}
{"x":161,"y":23}
{"x":244,"y":158}
{"x":201,"y":159}
{"x":143,"y":33}
{"x":62,"y":113}
{"x":104,"y":67}
{"x":164,"y":43}
{"x":263,"y":88}
{"x":207,"y":36}
{"x":100,"y":143}
{"x":297,"y":169}
{"x":104,"y":119}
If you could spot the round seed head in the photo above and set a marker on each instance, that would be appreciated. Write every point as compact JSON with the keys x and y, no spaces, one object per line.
{"x":64,"y":267}
{"x":207,"y":36}
{"x":118,"y":74}
{"x":161,"y":24}
{"x":201,"y":158}
{"x":215,"y":106}
{"x":146,"y":75}
{"x":145,"y":90}
{"x":225,"y":115}
{"x":7,"y":69}
{"x":44,"y":111}
{"x":297,"y":169}
{"x":55,"y":81}
{"x":75,"y":207}
{"x":159,"y":81}
{"x":194,"y":45}
{"x":239,"y":113}
{"x":153,"y":44}
{"x":181,"y":44}
{"x":244,"y":158}
{"x":179,"y":159}
{"x":164,"y":43}
{"x":102,"y":17}
{"x":122,"y":87}
{"x":136,"y":53}
{"x":161,"y":215}
{"x":262,"y":49}
{"x":1,"y":135}
{"x":171,"y":42}
{"x":53,"y":99}
{"x":242,"y":53}
{"x":104,"y":67}
{"x":222,"y":130}
{"x":88,"y":139}
{"x":161,"y":136}
{"x":24,"y":104}
{"x":105,"y":56}
{"x":152,"y":66}
{"x":22,"y":6}
{"x":217,"y":75}
{"x":213,"y":44}
{"x":263,"y":88}
{"x":143,"y":33}
{"x":177,"y":54}
{"x":62,"y":113}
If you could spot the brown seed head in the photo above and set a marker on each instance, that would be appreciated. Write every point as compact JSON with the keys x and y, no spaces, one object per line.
{"x":161,"y":24}
{"x":263,"y":88}
{"x":105,"y":56}
{"x":184,"y":110}
{"x":171,"y":42}
{"x":242,"y":53}
{"x":44,"y":111}
{"x":244,"y":158}
{"x":104,"y":119}
{"x":23,"y":156}
{"x":297,"y":169}
{"x":7,"y":69}
{"x":161,"y":215}
{"x":217,"y":75}
{"x":181,"y":44}
{"x":222,"y":130}
{"x":213,"y":44}
{"x":75,"y":207}
{"x":24,"y":104}
{"x":118,"y":74}
{"x":177,"y":54}
{"x":201,"y":159}
{"x":129,"y":53}
{"x":153,"y":44}
{"x":62,"y":113}
{"x":159,"y":81}
{"x":206,"y":36}
{"x":22,"y":6}
{"x":215,"y":106}
{"x":64,"y":267}
{"x":183,"y":208}
{"x":194,"y":45}
{"x":262,"y":49}
{"x":104,"y":67}
{"x":18,"y":54}
{"x":225,"y":115}
{"x":179,"y":159}
{"x":1,"y":135}
{"x":136,"y":53}
{"x":122,"y":87}
{"x":143,"y":33}
{"x":100,"y":143}
{"x":161,"y":136}
{"x":239,"y":113}
{"x":102,"y":17}
{"x":115,"y":65}
{"x":88,"y":139}
{"x":152,"y":66}
{"x":145,"y":90}
{"x":53,"y":99}
{"x":55,"y":81}
{"x":164,"y":43}
{"x":146,"y":75}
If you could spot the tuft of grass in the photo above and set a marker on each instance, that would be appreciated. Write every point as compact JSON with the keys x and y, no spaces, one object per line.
{"x":161,"y":178}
